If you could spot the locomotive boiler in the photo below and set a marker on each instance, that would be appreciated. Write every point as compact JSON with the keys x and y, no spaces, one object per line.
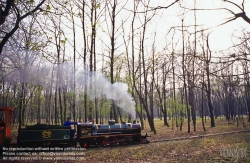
{"x":111,"y":133}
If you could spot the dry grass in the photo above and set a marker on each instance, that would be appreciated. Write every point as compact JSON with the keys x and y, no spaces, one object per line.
{"x":164,"y":132}
{"x":205,"y":149}
{"x":191,"y":150}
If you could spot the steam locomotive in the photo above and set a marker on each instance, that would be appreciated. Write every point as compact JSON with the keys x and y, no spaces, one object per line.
{"x":87,"y":134}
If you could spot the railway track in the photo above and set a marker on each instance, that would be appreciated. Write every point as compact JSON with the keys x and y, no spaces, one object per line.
{"x":199,"y":136}
{"x":179,"y":138}
{"x":172,"y":139}
{"x":62,"y":154}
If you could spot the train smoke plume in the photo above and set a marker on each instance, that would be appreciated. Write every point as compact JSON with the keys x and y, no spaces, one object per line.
{"x":100,"y":86}
{"x":36,"y":70}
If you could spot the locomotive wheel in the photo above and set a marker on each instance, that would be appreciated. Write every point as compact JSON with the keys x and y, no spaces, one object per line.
{"x":113,"y":140}
{"x":85,"y":145}
{"x":103,"y":142}
{"x":123,"y":141}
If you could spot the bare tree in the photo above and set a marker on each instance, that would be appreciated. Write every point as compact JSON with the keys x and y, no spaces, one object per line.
{"x":15,"y":11}
{"x":208,"y":86}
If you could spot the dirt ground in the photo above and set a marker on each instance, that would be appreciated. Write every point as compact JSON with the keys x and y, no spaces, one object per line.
{"x":230,"y":147}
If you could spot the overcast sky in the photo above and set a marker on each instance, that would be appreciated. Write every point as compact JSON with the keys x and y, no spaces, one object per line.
{"x":163,"y":20}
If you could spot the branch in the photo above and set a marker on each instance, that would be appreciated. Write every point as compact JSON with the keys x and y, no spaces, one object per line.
{"x":19,"y":19}
{"x":160,"y":7}
{"x":4,"y":13}
{"x":242,"y":9}
{"x":235,"y":16}
{"x":155,"y":8}
{"x":242,"y":15}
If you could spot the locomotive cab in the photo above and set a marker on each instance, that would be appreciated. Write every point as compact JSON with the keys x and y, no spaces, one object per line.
{"x":84,"y":129}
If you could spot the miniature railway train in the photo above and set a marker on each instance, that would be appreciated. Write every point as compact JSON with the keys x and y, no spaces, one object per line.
{"x":87,"y":134}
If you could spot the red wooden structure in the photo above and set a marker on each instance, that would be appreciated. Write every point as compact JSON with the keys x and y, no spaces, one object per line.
{"x":6,"y":114}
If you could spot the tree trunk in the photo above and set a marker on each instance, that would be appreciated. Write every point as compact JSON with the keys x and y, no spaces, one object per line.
{"x":202,"y":103}
{"x":210,"y":106}
{"x":113,"y":17}
{"x":184,"y":78}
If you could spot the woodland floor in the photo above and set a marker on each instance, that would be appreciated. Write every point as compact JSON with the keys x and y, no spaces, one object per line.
{"x":202,"y":149}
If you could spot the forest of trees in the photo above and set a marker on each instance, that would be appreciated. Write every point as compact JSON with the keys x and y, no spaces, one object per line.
{"x":98,"y":60}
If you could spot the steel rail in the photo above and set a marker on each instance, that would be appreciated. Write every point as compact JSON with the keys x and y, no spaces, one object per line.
{"x":198,"y":136}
